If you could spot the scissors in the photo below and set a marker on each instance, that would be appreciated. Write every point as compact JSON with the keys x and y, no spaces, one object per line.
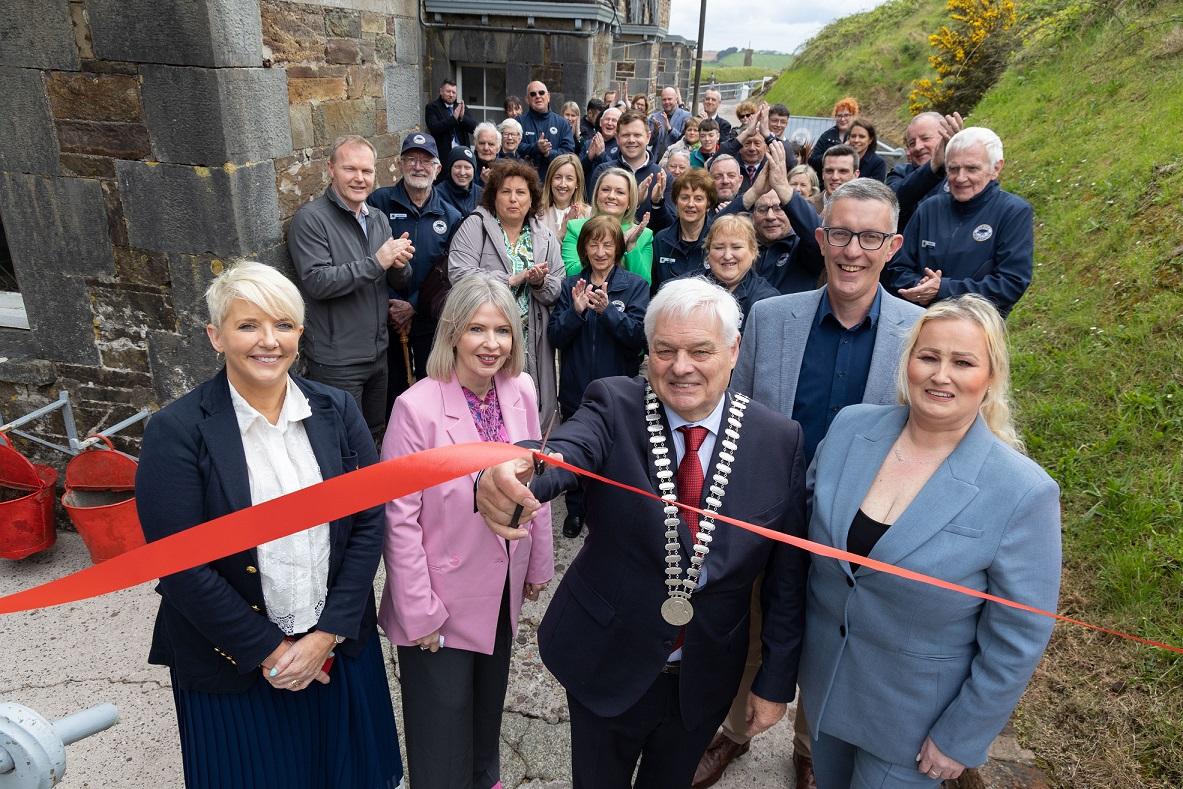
{"x":539,"y":467}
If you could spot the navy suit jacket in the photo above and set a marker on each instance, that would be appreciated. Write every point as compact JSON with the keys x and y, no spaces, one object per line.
{"x":603,"y":636}
{"x":889,"y":661}
{"x":212,"y":627}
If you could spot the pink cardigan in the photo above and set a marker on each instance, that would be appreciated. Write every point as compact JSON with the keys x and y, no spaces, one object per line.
{"x":444,"y":569}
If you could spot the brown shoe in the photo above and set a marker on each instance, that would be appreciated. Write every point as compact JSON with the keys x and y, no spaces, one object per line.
{"x":721,"y":752}
{"x":803,"y":767}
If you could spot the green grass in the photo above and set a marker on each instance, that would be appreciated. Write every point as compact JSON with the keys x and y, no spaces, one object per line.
{"x":873,"y":56}
{"x":1090,"y":116}
{"x":1099,"y":340}
{"x":764,"y":60}
{"x":734,"y":73}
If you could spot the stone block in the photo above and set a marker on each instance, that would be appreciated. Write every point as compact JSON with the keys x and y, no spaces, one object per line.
{"x":179,"y":362}
{"x":124,"y":354}
{"x":85,"y":166}
{"x":406,"y":41}
{"x":343,"y":23}
{"x":403,"y":99}
{"x":216,"y":33}
{"x":384,"y":47}
{"x":386,"y":145}
{"x":116,"y":222}
{"x":302,"y":91}
{"x":96,"y":138}
{"x":28,"y":142}
{"x":387,"y":171}
{"x":55,"y":227}
{"x":315,"y":71}
{"x":60,"y":317}
{"x":332,"y":120}
{"x":30,"y":372}
{"x":141,"y":266}
{"x":570,"y":49}
{"x":229,"y":210}
{"x":300,"y":116}
{"x":94,"y":97}
{"x":373,"y":23}
{"x":211,"y":116}
{"x":37,"y":34}
{"x":130,"y":312}
{"x":355,"y":83}
{"x":342,"y":50}
{"x":81,"y":30}
{"x":293,"y":32}
{"x":298,"y":180}
{"x":110,"y":67}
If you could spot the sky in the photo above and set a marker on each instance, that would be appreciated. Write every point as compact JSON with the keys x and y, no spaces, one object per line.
{"x":776,"y":26}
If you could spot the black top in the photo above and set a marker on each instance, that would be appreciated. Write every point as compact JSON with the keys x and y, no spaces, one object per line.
{"x":863,"y":535}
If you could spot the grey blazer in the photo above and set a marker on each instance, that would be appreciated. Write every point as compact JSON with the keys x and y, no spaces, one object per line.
{"x":478,"y":246}
{"x":773,"y":348}
{"x":888,"y":661}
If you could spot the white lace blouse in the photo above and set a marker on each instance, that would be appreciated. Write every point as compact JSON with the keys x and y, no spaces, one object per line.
{"x":294,"y":570}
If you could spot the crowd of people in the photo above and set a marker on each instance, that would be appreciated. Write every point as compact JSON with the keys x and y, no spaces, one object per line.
{"x":770,"y":329}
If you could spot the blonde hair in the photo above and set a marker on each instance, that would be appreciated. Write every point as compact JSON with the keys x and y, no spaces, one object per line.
{"x":465,"y":298}
{"x":350,"y":139}
{"x":630,"y":213}
{"x":995,"y":408}
{"x":555,"y":164}
{"x":732,"y":225}
{"x":805,"y":169}
{"x":259,"y":284}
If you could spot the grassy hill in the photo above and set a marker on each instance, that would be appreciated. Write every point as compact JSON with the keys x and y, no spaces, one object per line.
{"x":873,"y":56}
{"x":1089,"y":114}
{"x":764,"y":60}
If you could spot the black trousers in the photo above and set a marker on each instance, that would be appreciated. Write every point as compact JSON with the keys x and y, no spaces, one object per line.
{"x":604,"y":751}
{"x":365,"y":382}
{"x":452,"y":703}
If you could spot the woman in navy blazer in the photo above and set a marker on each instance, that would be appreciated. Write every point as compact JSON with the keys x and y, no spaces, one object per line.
{"x":906,"y":684}
{"x":276,"y":670}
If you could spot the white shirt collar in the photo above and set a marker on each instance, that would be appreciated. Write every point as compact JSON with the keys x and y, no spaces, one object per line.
{"x":295,"y":408}
{"x":712,"y":422}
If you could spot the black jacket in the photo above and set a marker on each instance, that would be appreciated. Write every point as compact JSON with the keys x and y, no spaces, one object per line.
{"x":912,"y":186}
{"x":464,"y":201}
{"x":443,"y":126}
{"x":430,"y":228}
{"x":751,"y":288}
{"x":828,"y":139}
{"x":212,"y":627}
{"x":872,"y":165}
{"x":792,"y":264}
{"x":598,"y":346}
{"x":674,"y":257}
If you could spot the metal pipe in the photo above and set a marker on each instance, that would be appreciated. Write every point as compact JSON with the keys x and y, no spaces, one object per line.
{"x":112,"y":430}
{"x":84,"y":723}
{"x":42,"y":441}
{"x":63,"y":399}
{"x":702,"y":21}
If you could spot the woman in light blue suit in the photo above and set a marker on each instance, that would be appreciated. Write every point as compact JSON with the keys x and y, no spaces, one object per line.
{"x":906,"y":684}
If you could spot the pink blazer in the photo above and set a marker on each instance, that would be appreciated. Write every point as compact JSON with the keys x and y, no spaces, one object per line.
{"x":444,"y":569}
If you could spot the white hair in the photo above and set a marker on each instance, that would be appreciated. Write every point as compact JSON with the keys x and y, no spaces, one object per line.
{"x":509,"y":124}
{"x":973,"y":135}
{"x":256,"y":283}
{"x":680,"y":298}
{"x":485,"y":126}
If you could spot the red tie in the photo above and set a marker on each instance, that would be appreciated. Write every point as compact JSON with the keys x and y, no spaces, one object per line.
{"x":689,"y":475}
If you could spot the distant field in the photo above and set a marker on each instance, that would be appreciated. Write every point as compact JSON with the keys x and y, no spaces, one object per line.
{"x":776,"y":61}
{"x":735,"y":73}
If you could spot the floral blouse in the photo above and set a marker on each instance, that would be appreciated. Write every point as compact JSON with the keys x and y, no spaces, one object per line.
{"x":521,"y":257}
{"x":486,"y":413}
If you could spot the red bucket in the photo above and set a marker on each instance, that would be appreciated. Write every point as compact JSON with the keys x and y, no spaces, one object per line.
{"x":26,"y":504}
{"x":100,"y":499}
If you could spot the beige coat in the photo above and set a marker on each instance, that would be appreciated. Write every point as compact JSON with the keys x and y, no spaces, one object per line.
{"x":478,"y":246}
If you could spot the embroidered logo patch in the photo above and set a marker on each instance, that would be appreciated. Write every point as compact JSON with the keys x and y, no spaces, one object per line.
{"x":983,"y":233}
{"x":618,"y":304}
{"x":554,"y":129}
{"x":439,"y":226}
{"x":418,"y":139}
{"x":783,"y":260}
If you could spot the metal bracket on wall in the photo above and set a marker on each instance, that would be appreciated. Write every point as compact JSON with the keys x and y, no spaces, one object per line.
{"x":76,"y":445}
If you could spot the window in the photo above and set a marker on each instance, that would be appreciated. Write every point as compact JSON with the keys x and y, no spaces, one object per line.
{"x":483,"y":90}
{"x":12,"y":306}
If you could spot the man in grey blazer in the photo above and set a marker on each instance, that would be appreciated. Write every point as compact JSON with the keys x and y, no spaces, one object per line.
{"x":809,"y":355}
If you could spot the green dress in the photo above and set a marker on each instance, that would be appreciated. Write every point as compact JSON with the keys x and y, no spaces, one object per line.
{"x":639,"y":261}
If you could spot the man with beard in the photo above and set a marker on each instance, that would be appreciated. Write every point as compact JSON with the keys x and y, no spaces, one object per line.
{"x":648,"y":629}
{"x":545,"y":134}
{"x":420,"y":212}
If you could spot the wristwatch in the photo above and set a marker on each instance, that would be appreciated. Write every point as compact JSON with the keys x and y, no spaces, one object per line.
{"x":770,"y":139}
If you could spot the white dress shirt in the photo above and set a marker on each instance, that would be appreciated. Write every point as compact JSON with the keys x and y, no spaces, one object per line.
{"x":294,"y":570}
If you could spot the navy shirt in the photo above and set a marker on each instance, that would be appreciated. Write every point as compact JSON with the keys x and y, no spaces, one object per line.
{"x":833,"y":370}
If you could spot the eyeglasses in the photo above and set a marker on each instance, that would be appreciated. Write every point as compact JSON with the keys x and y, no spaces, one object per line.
{"x":535,"y":93}
{"x":768,"y":209}
{"x":418,"y":162}
{"x":842,"y":115}
{"x":869,"y":240}
{"x":746,"y":116}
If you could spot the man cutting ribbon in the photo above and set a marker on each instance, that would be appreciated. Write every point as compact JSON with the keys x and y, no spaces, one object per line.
{"x":648,"y":630}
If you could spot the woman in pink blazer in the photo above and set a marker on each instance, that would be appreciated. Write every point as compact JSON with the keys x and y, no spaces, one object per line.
{"x":453,"y":588}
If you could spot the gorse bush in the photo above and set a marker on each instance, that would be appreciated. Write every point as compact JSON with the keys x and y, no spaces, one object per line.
{"x":970,"y":55}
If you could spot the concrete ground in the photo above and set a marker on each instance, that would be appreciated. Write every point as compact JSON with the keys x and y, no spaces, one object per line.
{"x":64,"y":659}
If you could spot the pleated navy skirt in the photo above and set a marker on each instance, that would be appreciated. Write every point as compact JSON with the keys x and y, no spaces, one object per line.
{"x":323,"y":737}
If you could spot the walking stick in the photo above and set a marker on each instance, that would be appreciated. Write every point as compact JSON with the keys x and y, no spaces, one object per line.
{"x":406,"y":340}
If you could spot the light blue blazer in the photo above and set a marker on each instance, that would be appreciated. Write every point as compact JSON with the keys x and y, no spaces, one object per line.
{"x":889,"y":661}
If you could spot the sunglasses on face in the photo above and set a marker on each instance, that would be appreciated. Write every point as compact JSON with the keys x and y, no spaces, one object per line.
{"x":535,"y":93}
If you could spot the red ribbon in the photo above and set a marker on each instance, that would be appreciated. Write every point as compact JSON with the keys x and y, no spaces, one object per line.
{"x":367,"y":487}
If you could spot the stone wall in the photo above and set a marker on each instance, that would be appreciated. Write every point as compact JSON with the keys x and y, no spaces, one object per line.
{"x":144,"y":146}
